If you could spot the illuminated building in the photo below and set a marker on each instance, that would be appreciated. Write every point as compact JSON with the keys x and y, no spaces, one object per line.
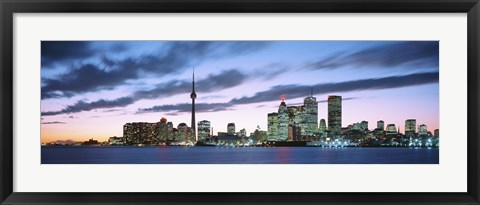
{"x":140,"y":133}
{"x":231,"y":128}
{"x":115,"y":140}
{"x":163,"y":130}
{"x":243,"y":133}
{"x":272,"y":125}
{"x":410,"y":126}
{"x":391,"y":128}
{"x":310,"y":115}
{"x":322,"y":127}
{"x":422,"y":129}
{"x":296,"y":117}
{"x":335,"y":114}
{"x":282,"y":133}
{"x":203,"y":130}
{"x":380,"y":125}
{"x":184,"y":133}
{"x":170,"y":128}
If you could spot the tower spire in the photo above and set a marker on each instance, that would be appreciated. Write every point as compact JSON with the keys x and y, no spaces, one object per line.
{"x":193,"y":96}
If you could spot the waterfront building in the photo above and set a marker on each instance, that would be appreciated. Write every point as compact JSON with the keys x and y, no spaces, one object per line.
{"x":410,"y":126}
{"x":140,"y":133}
{"x":272,"y":125}
{"x":243,"y":133}
{"x":310,"y":115}
{"x":391,"y":128}
{"x":203,"y":130}
{"x":163,"y":130}
{"x":229,"y":140}
{"x":115,"y":140}
{"x":436,"y":132}
{"x":335,"y":114}
{"x":185,"y":133}
{"x":170,"y":128}
{"x":322,"y":127}
{"x":283,"y":119}
{"x":422,"y":129}
{"x":296,"y":117}
{"x":381,"y":125}
{"x":364,"y":125}
{"x":231,"y":128}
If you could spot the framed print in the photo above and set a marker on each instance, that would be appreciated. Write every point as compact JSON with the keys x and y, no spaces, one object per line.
{"x":239,"y":102}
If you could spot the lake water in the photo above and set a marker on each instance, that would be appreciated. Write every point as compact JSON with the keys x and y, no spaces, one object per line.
{"x":237,"y":155}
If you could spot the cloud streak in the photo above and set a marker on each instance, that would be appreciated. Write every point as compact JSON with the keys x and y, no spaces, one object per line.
{"x":213,"y":82}
{"x":295,"y":91}
{"x":414,"y":54}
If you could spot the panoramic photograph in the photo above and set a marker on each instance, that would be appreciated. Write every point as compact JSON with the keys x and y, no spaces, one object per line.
{"x":240,"y":102}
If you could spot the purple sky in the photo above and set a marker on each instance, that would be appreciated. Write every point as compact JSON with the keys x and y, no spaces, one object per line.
{"x":91,"y":88}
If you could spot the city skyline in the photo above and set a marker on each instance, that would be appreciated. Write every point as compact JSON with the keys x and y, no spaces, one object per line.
{"x":237,"y":82}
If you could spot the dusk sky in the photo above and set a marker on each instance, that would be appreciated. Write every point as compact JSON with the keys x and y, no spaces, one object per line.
{"x":90,"y":89}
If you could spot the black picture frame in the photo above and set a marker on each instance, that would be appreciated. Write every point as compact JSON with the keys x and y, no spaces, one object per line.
{"x":10,"y":7}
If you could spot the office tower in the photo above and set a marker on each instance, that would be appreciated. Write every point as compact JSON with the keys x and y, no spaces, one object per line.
{"x":436,"y":132}
{"x":364,"y":125}
{"x":311,"y":114}
{"x":162,"y":130}
{"x":203,"y":130}
{"x":272,"y":125}
{"x":170,"y":131}
{"x":380,"y":125}
{"x":282,"y":121}
{"x":335,"y":114}
{"x":140,"y":133}
{"x":231,"y":128}
{"x":183,"y":133}
{"x":422,"y":129}
{"x":322,"y":127}
{"x":410,"y":126}
{"x":391,"y":128}
{"x":243,"y":132}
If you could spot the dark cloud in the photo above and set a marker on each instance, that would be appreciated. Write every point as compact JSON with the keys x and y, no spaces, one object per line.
{"x":175,"y":57}
{"x":187,"y":107}
{"x":84,"y":106}
{"x":55,"y":52}
{"x":86,"y":78}
{"x":55,"y":122}
{"x":295,"y":91}
{"x":411,"y":53}
{"x":213,"y":82}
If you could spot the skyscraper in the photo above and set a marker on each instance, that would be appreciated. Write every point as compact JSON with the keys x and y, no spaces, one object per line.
{"x":162,"y":130}
{"x":335,"y":114}
{"x":322,"y":127}
{"x":422,"y":129}
{"x":282,"y":134}
{"x":272,"y":125}
{"x":231,"y":128}
{"x":380,"y":125}
{"x":410,"y":126}
{"x":391,"y":128}
{"x":311,"y":114}
{"x":203,"y":130}
{"x":193,"y":96}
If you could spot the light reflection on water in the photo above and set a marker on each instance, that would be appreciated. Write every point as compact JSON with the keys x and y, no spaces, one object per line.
{"x":237,"y":155}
